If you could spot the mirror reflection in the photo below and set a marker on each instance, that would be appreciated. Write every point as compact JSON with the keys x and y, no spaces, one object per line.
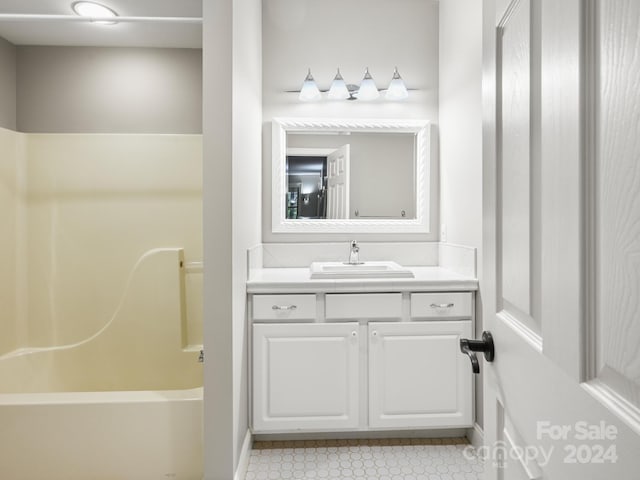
{"x":350,"y":175}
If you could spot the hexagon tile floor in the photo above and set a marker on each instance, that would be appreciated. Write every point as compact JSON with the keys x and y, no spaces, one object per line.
{"x":377,"y":459}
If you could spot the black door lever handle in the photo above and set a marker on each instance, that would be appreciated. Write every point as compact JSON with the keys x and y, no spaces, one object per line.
{"x":470,"y":347}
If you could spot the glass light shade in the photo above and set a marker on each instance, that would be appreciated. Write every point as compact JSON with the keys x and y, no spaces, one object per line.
{"x":338,"y":89}
{"x":368,"y":89}
{"x":94,"y":10}
{"x":309,"y":90}
{"x":397,"y":89}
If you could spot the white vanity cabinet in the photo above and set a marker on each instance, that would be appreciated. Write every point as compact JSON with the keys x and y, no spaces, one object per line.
{"x":417,"y":375}
{"x":361,"y":361}
{"x":305,"y":376}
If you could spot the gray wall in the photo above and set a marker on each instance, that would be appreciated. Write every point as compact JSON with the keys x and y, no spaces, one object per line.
{"x":109,"y":90}
{"x":7,"y":85}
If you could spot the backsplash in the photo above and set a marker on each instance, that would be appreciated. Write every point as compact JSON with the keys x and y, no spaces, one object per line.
{"x":457,"y":258}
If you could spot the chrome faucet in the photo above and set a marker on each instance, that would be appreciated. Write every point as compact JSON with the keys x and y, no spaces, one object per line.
{"x":354,"y":252}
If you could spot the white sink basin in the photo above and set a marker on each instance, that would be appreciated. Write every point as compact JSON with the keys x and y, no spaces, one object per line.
{"x":360,"y":270}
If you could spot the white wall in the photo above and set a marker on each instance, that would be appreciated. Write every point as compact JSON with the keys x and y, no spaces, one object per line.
{"x":7,"y":85}
{"x":246,"y":185}
{"x":352,"y":35}
{"x":232,"y":173}
{"x":109,"y":90}
{"x":461,"y":128}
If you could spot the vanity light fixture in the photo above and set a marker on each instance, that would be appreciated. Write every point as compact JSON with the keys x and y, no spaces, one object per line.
{"x":397,"y":89}
{"x":309,"y":90}
{"x":95,"y":10}
{"x":368,"y":89}
{"x":338,"y":89}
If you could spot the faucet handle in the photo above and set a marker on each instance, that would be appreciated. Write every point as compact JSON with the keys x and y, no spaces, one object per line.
{"x":354,"y":244}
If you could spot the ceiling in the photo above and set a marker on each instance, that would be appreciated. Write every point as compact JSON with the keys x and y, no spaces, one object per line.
{"x":302,"y":165}
{"x":174,"y":34}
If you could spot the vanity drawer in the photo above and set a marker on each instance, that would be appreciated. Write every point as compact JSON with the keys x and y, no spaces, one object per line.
{"x":441,"y":305}
{"x":363,"y":306}
{"x":284,"y":307}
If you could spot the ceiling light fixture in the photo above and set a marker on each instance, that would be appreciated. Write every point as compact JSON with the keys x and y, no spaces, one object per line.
{"x":95,"y":10}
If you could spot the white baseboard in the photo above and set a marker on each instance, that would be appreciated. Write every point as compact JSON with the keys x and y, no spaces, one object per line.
{"x":243,"y":461}
{"x":363,"y":434}
{"x":476,"y":436}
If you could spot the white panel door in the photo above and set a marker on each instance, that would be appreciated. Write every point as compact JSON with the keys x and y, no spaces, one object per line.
{"x":561,"y":241}
{"x":417,"y":375}
{"x":305,"y":376}
{"x":338,"y":171}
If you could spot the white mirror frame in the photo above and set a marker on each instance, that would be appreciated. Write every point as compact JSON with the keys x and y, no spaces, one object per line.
{"x":420,"y":224}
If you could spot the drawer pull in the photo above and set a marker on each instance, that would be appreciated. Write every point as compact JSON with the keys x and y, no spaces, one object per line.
{"x":442,"y":305}
{"x":284,"y":307}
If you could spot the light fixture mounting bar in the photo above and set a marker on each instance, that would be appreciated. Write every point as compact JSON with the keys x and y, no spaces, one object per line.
{"x":20,"y":17}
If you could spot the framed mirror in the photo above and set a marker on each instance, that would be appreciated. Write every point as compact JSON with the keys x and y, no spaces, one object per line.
{"x":351,"y":175}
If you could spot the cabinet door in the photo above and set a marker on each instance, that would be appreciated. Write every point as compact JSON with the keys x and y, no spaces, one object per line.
{"x":305,"y":376}
{"x":417,"y":375}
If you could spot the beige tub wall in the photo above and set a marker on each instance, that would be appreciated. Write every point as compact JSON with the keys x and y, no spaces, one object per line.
{"x":8,"y":232}
{"x":193,"y":308}
{"x":140,"y":348}
{"x":12,"y":165}
{"x":96,"y":203}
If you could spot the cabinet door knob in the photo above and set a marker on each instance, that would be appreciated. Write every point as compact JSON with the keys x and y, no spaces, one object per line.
{"x":284,"y":307}
{"x":442,"y":305}
{"x":374,"y":333}
{"x":354,"y":334}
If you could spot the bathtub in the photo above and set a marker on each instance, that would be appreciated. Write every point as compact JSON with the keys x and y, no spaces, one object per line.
{"x":57,"y":432}
{"x":135,"y":435}
{"x":123,"y":404}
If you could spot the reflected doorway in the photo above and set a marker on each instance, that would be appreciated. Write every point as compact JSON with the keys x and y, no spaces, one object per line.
{"x":317,"y":183}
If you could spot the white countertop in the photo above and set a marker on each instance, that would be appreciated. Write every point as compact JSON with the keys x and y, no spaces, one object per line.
{"x":297,"y":280}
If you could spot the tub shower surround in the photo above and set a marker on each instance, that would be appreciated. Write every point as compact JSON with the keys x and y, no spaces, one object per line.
{"x":125,"y":403}
{"x":99,"y":371}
